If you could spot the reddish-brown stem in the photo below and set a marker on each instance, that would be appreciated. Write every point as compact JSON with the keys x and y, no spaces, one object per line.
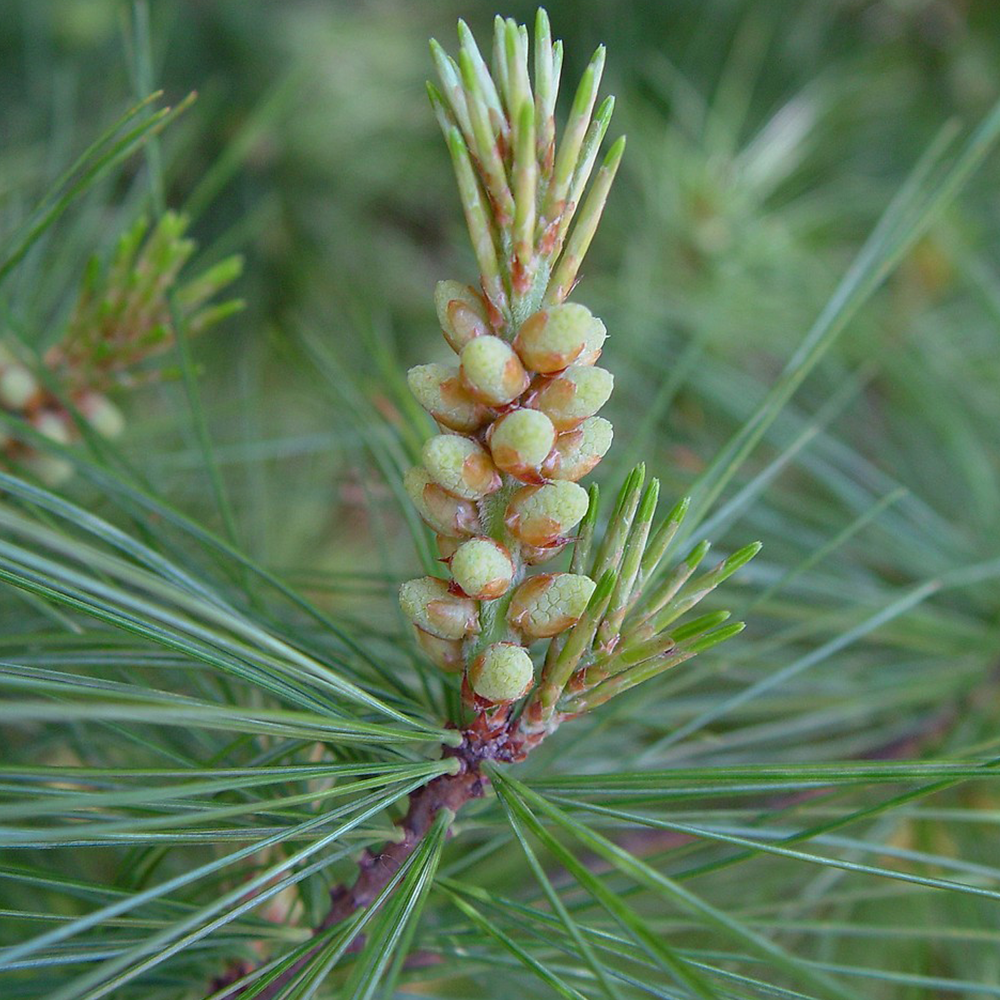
{"x":483,"y":741}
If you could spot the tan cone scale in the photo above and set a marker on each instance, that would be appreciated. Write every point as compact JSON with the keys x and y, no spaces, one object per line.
{"x":460,"y":466}
{"x":430,"y":605}
{"x":520,"y":442}
{"x":549,"y":603}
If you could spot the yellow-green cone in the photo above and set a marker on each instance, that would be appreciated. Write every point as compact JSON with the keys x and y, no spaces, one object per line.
{"x":430,"y":605}
{"x":578,"y":451}
{"x":461,"y":313}
{"x":520,"y":441}
{"x":502,"y":672}
{"x":17,"y":386}
{"x":541,"y":515}
{"x":555,"y":337}
{"x":439,"y":390}
{"x":445,"y":514}
{"x":445,"y":653}
{"x":547,"y":604}
{"x":101,"y":414}
{"x":492,"y":372}
{"x":482,"y":567}
{"x":460,"y":466}
{"x":569,"y":398}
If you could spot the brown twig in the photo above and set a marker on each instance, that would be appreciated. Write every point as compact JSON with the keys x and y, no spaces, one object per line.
{"x":484,"y":740}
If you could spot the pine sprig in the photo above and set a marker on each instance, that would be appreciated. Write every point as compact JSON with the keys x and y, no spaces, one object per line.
{"x":518,"y":415}
{"x":122,"y":315}
{"x":122,"y":318}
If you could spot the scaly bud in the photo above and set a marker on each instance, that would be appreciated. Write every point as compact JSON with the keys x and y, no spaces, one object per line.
{"x":445,"y":653}
{"x":554,"y":338}
{"x":568,"y":399}
{"x":541,"y":515}
{"x":483,"y":568}
{"x":520,"y":441}
{"x":17,"y":386}
{"x":51,"y":469}
{"x":578,"y":451}
{"x":52,"y":425}
{"x":547,"y":604}
{"x":101,"y":414}
{"x":461,"y":313}
{"x":492,"y":372}
{"x":445,"y":514}
{"x":439,"y":390}
{"x":460,"y":466}
{"x":502,"y":672}
{"x":430,"y":605}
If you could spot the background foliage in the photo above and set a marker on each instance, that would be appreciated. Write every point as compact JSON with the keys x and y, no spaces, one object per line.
{"x":811,"y":808}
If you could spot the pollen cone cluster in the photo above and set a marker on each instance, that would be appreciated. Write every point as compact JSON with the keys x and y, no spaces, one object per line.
{"x":519,"y":429}
{"x":22,"y":395}
{"x":124,"y":316}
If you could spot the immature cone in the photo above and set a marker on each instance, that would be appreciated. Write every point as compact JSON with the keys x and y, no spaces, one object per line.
{"x":482,"y":567}
{"x":430,"y":605}
{"x":17,"y":385}
{"x":555,"y":337}
{"x":492,"y":372}
{"x":549,"y":603}
{"x":571,"y":397}
{"x":461,"y":313}
{"x":520,"y":441}
{"x":50,"y":468}
{"x":542,"y":515}
{"x":445,"y":514}
{"x":578,"y":451}
{"x":502,"y":672}
{"x":101,"y":414}
{"x":445,"y":653}
{"x":439,"y":390}
{"x":460,"y":466}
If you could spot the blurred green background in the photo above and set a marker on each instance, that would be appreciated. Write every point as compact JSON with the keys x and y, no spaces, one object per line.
{"x":765,"y":141}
